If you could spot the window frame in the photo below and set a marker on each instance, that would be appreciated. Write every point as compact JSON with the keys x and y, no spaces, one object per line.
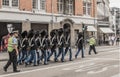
{"x":87,"y":8}
{"x":39,"y":6}
{"x":10,"y":5}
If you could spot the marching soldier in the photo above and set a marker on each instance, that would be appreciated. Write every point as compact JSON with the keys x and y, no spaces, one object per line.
{"x":68,"y":43}
{"x":53,"y":44}
{"x":43,"y":46}
{"x":61,"y":42}
{"x":24,"y":45}
{"x":32,"y":48}
{"x":79,"y":44}
{"x":37,"y":41}
{"x":13,"y":52}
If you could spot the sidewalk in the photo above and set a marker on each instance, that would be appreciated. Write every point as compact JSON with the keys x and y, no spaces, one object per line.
{"x":4,"y":55}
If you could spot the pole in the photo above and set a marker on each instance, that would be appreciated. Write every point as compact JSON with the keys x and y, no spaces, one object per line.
{"x":52,"y":10}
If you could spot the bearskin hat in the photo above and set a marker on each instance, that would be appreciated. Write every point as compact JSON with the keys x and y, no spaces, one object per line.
{"x":67,"y":31}
{"x":80,"y":35}
{"x":43,"y":33}
{"x":24,"y":34}
{"x":60,"y":31}
{"x":31,"y":33}
{"x":53,"y":33}
{"x":37,"y":34}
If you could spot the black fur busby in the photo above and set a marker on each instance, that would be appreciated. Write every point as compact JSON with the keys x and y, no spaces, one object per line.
{"x":43,"y":33}
{"x":60,"y":31}
{"x":66,"y":31}
{"x":53,"y":33}
{"x":37,"y":33}
{"x":31,"y":33}
{"x":24,"y":34}
{"x":80,"y":35}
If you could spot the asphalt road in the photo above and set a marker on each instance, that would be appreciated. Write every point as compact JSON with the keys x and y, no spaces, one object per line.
{"x":104,"y":64}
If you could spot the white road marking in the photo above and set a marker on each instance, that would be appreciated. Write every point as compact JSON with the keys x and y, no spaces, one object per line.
{"x":24,"y":72}
{"x":77,"y":67}
{"x":118,"y":75}
{"x":90,"y":68}
{"x":102,"y":70}
{"x":106,"y":59}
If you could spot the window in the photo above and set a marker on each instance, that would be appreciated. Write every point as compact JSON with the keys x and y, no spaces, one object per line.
{"x":35,"y":4}
{"x":10,"y":3}
{"x":15,"y":3}
{"x":42,"y":4}
{"x":65,"y":6}
{"x":39,"y":5}
{"x":5,"y":2}
{"x":87,"y":7}
{"x":60,"y":6}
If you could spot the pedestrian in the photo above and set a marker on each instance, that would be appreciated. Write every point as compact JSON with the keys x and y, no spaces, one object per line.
{"x":117,"y":40}
{"x":79,"y":44}
{"x":92,"y":43}
{"x":113,"y":39}
{"x":13,"y":52}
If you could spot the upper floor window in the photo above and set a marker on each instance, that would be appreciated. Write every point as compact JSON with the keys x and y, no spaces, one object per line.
{"x":60,"y":5}
{"x":35,"y":4}
{"x":65,"y":6}
{"x":39,"y":4}
{"x":87,"y":7}
{"x":10,"y":3}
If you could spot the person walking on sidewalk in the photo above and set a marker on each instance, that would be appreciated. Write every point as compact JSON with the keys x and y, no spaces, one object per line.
{"x":92,"y":43}
{"x":13,"y":52}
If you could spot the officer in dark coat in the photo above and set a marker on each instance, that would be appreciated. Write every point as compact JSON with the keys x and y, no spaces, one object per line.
{"x":68,"y":43}
{"x":53,"y":44}
{"x":24,"y":45}
{"x":79,"y":44}
{"x":61,"y":42}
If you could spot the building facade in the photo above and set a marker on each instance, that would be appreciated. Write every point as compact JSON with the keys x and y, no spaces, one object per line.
{"x":116,"y":20}
{"x":47,"y":14}
{"x":104,"y":21}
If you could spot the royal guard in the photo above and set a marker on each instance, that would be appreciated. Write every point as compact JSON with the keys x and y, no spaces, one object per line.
{"x":32,"y":49}
{"x":61,"y":41}
{"x":53,"y":44}
{"x":43,"y":46}
{"x":24,"y":45}
{"x":68,"y":43}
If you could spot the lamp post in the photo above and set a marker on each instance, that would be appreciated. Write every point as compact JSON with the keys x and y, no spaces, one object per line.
{"x":52,"y":10}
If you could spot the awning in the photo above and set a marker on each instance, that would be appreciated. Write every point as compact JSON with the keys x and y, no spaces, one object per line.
{"x":106,"y":30}
{"x":91,"y":29}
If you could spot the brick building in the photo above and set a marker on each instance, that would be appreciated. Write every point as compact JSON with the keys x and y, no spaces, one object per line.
{"x":48,"y":14}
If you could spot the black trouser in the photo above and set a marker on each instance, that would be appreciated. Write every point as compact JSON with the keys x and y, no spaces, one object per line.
{"x":12,"y":59}
{"x":92,"y":47}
